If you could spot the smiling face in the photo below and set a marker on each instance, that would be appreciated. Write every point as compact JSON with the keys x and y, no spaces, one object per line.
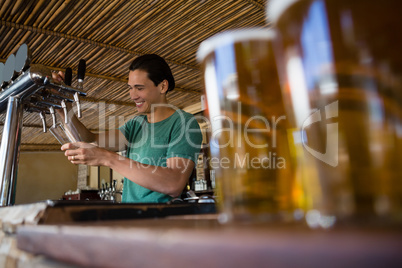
{"x":144,"y":92}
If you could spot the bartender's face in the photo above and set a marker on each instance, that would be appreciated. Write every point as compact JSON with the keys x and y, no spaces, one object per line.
{"x":144,"y":92}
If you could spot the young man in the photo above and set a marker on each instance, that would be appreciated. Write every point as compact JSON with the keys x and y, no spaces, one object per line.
{"x":162,"y":142}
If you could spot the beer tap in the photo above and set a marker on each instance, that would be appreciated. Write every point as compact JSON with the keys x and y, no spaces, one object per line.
{"x":43,"y":118}
{"x":109,"y":191}
{"x":51,"y":110}
{"x":77,"y":101}
{"x":29,"y":87}
{"x":80,"y":78}
{"x":42,"y":111}
{"x":81,"y":74}
{"x":106,"y":192}
{"x":64,"y":107}
{"x":101,"y":192}
{"x":68,"y":76}
{"x":60,"y":90}
{"x":114,"y":186}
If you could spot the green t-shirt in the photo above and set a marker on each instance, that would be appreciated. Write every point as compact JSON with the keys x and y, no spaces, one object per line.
{"x":153,"y":143}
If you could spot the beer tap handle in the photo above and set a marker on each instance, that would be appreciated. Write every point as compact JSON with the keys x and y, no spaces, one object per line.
{"x":43,"y":118}
{"x":51,"y":109}
{"x":113,"y":186}
{"x":81,"y":74}
{"x":64,"y":87}
{"x":68,"y":76}
{"x":77,"y":101}
{"x":64,"y":107}
{"x":80,"y":79}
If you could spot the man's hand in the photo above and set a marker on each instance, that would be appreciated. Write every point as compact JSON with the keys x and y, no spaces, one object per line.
{"x":85,"y":154}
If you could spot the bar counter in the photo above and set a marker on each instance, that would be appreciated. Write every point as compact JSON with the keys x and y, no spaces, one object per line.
{"x":200,"y":241}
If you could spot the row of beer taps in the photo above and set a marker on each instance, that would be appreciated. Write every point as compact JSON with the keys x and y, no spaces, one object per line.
{"x":47,"y":97}
{"x":110,"y":192}
{"x":27,"y":87}
{"x":47,"y":100}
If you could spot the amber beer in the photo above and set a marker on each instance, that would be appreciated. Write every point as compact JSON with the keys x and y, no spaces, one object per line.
{"x":249,"y":139}
{"x":341,"y":74}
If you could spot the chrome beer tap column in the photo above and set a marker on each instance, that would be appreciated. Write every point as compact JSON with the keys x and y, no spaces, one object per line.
{"x":9,"y":152}
{"x":30,"y":87}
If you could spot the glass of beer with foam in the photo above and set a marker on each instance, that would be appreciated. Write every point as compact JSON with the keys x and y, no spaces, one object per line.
{"x":249,"y":138}
{"x":340,"y":68}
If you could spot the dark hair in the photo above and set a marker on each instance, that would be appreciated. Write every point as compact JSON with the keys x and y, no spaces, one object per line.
{"x":156,"y":67}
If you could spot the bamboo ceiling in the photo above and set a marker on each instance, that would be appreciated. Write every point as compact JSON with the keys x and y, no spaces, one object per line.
{"x":109,"y":34}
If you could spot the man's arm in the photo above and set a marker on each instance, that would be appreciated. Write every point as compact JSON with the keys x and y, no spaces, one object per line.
{"x":169,"y":180}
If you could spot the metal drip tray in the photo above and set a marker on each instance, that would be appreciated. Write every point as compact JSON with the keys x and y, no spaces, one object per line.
{"x":64,"y":211}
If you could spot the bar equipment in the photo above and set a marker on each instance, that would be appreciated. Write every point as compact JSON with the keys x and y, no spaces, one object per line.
{"x":22,"y":59}
{"x":110,"y":192}
{"x":59,"y":131}
{"x":80,"y":79}
{"x":30,"y":88}
{"x":68,"y":76}
{"x":1,"y":74}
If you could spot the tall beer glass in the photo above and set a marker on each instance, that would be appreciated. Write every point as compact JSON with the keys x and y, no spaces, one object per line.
{"x":249,"y":144}
{"x":341,"y":74}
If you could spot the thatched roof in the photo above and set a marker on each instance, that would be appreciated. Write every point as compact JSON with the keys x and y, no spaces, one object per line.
{"x":109,"y":34}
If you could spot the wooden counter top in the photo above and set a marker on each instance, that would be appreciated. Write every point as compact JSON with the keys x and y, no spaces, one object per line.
{"x":200,"y":241}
